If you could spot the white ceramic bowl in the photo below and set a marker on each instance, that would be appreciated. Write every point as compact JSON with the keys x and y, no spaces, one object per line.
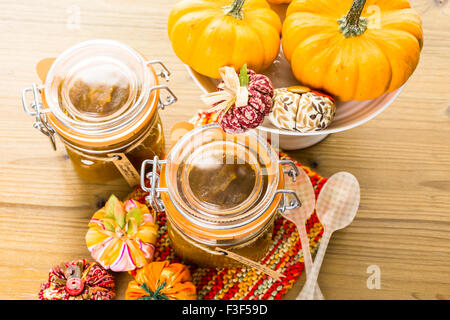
{"x":349,"y":114}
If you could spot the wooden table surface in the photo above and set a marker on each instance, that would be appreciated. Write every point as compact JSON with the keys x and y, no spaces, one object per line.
{"x":401,"y":158}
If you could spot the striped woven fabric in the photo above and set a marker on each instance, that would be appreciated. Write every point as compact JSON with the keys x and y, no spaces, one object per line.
{"x":284,"y":255}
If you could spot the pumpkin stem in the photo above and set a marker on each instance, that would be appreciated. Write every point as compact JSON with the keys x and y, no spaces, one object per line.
{"x":154,"y":295}
{"x":235,"y":9}
{"x":352,"y":24}
{"x":244,"y":79}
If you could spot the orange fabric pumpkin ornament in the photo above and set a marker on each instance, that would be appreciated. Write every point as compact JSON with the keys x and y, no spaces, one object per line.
{"x":210,"y":34}
{"x":161,"y":281}
{"x":355,"y":54}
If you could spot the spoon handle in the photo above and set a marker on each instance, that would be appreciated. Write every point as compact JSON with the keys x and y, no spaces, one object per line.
{"x":307,"y":292}
{"x":307,"y":259}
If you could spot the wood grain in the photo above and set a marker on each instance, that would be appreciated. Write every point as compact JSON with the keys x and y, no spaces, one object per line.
{"x":401,"y":158}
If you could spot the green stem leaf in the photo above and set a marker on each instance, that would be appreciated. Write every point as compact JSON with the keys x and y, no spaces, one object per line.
{"x":244,"y":79}
{"x":154,"y":295}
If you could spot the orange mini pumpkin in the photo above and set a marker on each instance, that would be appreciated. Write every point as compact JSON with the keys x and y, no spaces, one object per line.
{"x":161,"y":281}
{"x":210,"y":34}
{"x":355,"y":54}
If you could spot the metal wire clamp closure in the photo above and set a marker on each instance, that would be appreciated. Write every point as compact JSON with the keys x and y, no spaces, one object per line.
{"x":35,"y":109}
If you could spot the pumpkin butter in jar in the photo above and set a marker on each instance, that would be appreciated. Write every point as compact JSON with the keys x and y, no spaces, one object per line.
{"x":99,"y":91}
{"x":101,"y":98}
{"x":219,"y":191}
{"x":220,"y":182}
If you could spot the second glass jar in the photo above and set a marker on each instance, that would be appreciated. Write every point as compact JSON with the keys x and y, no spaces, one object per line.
{"x":219,"y":191}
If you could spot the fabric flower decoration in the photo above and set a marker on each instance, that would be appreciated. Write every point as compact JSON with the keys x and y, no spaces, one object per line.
{"x":242,"y":101}
{"x":161,"y":281}
{"x":78,"y":280}
{"x":121,"y":236}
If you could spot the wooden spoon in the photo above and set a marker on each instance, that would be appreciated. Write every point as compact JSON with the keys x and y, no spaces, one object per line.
{"x":305,"y":191}
{"x":336,"y":208}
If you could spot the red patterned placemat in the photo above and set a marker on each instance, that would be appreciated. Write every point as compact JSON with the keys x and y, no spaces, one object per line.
{"x":284,"y":255}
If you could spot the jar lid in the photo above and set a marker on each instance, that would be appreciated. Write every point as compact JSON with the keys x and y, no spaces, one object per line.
{"x":99,"y":93}
{"x":98,"y":89}
{"x":221,"y":187}
{"x":220,"y":178}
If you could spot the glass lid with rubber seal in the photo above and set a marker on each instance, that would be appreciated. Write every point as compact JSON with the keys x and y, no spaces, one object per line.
{"x":219,"y":188}
{"x":98,"y":85}
{"x":220,"y":177}
{"x":97,"y":89}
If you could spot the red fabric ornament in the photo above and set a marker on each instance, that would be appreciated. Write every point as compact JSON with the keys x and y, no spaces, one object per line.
{"x":78,"y":280}
{"x":242,"y":101}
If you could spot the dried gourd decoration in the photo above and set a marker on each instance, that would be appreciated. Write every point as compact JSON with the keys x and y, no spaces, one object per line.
{"x":161,"y":281}
{"x":242,"y":101}
{"x":302,"y":109}
{"x":122,"y":235}
{"x":78,"y":280}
